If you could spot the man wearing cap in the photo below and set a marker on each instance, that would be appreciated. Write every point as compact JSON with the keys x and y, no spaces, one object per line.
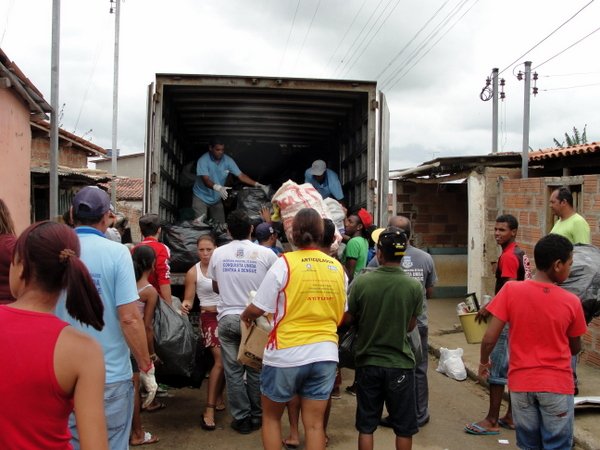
{"x":212,"y":170}
{"x":384,"y":304}
{"x":419,"y":265}
{"x":111,"y":268}
{"x":354,"y":257}
{"x":267,"y":237}
{"x":324,"y":180}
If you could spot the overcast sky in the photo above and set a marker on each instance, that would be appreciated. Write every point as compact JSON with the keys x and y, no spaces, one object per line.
{"x":430,"y":58}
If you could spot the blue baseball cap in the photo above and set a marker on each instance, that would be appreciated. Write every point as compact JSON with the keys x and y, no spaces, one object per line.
{"x":90,"y":202}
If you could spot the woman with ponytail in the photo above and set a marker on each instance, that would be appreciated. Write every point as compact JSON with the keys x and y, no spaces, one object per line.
{"x":54,"y":369}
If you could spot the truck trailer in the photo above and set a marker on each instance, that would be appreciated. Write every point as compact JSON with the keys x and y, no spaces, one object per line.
{"x":274,"y":128}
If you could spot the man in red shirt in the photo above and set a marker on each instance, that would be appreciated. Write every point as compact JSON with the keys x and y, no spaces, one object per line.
{"x":160,"y":278}
{"x":545,"y":330}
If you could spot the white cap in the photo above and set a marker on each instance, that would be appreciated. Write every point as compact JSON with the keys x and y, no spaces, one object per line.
{"x":318,"y":167}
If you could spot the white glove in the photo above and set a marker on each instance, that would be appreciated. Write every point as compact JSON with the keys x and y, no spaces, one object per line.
{"x":148,"y":380}
{"x":265,"y":188}
{"x":221,"y":190}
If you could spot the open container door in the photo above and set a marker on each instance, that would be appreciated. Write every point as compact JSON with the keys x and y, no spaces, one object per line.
{"x":149,"y":151}
{"x":383,"y":159}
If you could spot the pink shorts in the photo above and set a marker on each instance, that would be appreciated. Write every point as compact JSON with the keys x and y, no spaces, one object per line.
{"x":209,"y":328}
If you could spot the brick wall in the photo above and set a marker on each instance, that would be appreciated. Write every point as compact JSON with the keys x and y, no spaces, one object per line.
{"x":528,"y":201}
{"x":438,"y":213}
{"x":67,"y":155}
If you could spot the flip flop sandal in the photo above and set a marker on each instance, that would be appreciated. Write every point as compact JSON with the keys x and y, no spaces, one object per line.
{"x":478,"y":430}
{"x":148,"y":439}
{"x":154,"y":407}
{"x":504,"y":424}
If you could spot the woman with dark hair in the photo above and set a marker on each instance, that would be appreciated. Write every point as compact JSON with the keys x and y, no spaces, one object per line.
{"x":143,"y":263}
{"x":54,"y":368}
{"x":306,"y":291}
{"x":198,"y":284}
{"x":7,"y":244}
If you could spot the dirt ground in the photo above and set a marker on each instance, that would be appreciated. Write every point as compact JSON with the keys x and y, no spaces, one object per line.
{"x":452,"y":405}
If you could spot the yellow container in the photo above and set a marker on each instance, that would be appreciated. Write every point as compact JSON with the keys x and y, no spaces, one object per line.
{"x":473,"y":330}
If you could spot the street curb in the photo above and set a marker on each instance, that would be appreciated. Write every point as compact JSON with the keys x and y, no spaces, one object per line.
{"x":580,"y":437}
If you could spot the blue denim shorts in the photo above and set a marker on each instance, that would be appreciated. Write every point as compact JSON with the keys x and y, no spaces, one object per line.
{"x":499,"y":359}
{"x":311,"y":381}
{"x":543,"y":420}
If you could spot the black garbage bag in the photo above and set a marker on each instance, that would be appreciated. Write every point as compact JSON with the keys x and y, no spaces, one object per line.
{"x":251,"y":200}
{"x":181,"y":239}
{"x":174,"y":339}
{"x":584,"y":279}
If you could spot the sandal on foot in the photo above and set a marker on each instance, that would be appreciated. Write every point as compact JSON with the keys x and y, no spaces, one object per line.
{"x":155,"y":406}
{"x":288,"y":446}
{"x":208,"y":426}
{"x":220,"y":407}
{"x":478,"y":430}
{"x":504,"y":424}
{"x":148,"y":439}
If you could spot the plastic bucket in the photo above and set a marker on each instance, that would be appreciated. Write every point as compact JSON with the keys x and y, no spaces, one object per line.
{"x":473,"y":330}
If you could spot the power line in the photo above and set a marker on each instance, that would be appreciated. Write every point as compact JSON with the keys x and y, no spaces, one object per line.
{"x":394,"y":59}
{"x":436,"y":29}
{"x":357,"y":37}
{"x":344,"y":36}
{"x":395,"y":77}
{"x":374,"y":34}
{"x":570,"y":87}
{"x":532,"y":48}
{"x":569,"y":47}
{"x":307,"y":33}
{"x":289,"y":35}
{"x":10,"y":7}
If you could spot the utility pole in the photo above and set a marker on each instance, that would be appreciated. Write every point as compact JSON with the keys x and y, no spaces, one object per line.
{"x":526,"y":115}
{"x":495,"y":110}
{"x":117,"y":11}
{"x":54,"y":84}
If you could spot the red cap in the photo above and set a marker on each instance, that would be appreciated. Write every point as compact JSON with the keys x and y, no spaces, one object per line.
{"x":365,"y":217}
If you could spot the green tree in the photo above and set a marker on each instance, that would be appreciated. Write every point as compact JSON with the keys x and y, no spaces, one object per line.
{"x":575,"y":139}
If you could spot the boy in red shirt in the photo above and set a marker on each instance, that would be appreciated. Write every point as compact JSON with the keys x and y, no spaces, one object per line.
{"x":160,"y":278}
{"x":546,"y":324}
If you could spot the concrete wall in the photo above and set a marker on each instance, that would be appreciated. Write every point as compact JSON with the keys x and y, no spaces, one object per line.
{"x":15,"y":153}
{"x":127,"y":166}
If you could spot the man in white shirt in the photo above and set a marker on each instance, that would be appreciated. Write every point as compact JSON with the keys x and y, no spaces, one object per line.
{"x":236,"y":269}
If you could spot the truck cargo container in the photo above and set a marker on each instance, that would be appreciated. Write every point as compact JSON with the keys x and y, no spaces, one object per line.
{"x":274,"y":128}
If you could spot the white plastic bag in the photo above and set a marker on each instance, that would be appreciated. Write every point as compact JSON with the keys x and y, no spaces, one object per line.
{"x":451,"y":364}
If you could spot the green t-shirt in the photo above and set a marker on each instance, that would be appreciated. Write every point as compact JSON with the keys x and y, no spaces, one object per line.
{"x":382,"y":303}
{"x":575,"y":229}
{"x":357,"y":248}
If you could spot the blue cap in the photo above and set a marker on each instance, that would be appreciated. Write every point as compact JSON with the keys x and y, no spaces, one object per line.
{"x":90,"y":202}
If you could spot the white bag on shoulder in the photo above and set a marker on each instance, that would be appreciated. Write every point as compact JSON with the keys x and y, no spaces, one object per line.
{"x":451,"y":364}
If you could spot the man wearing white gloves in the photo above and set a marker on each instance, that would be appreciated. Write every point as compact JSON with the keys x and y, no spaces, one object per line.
{"x":211,"y":174}
{"x":111,"y":268}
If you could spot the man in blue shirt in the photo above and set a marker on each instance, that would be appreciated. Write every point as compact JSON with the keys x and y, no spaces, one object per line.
{"x":211,"y":174}
{"x":111,"y":268}
{"x":324,"y":180}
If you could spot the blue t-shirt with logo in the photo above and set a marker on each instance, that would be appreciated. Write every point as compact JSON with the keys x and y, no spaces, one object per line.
{"x":217,"y":171}
{"x":111,"y":269}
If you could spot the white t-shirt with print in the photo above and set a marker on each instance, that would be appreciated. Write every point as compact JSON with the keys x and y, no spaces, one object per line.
{"x":238,"y":268}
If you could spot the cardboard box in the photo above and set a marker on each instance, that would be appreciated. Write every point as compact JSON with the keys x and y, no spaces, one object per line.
{"x":252,"y":346}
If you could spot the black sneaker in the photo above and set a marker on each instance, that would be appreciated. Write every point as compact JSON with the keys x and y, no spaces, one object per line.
{"x":351,"y":390}
{"x":256,"y":423}
{"x":242,"y":426}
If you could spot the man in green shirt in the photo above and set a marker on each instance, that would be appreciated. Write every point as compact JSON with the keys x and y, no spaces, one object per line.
{"x":384,"y":305}
{"x":570,"y":224}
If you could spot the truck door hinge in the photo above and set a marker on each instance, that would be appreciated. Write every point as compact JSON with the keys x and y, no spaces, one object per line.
{"x":153,"y":178}
{"x":372,"y":184}
{"x":374,"y":105}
